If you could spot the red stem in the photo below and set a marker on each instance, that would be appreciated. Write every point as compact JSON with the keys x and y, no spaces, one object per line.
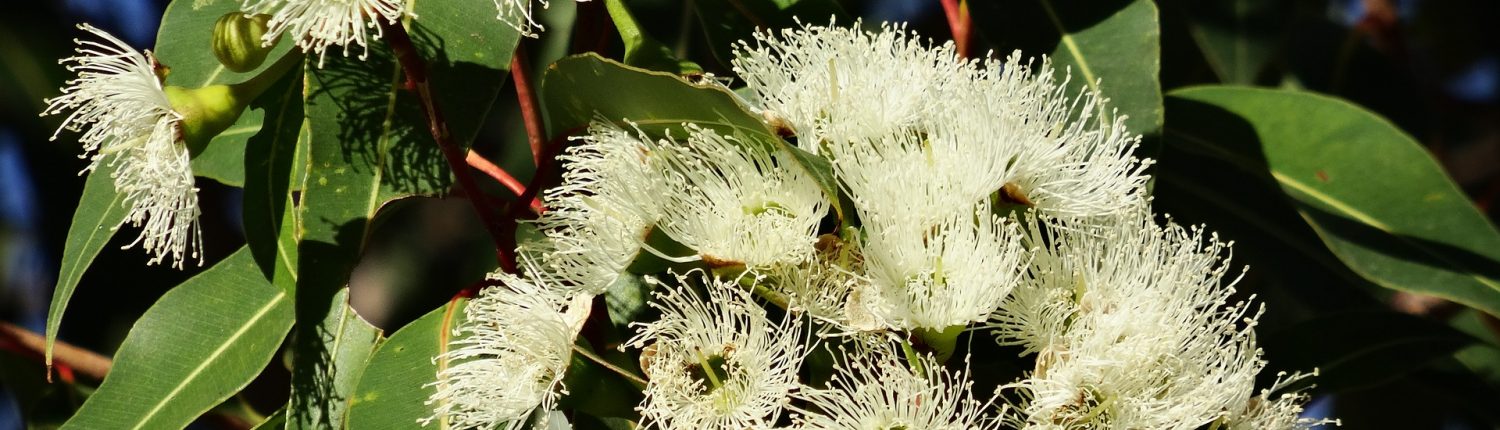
{"x":520,"y":71}
{"x":417,"y":79}
{"x":959,"y":23}
{"x":83,"y":361}
{"x":478,"y":162}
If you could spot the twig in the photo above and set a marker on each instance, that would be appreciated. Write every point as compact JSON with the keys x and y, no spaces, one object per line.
{"x":478,"y":162}
{"x":417,"y":79}
{"x":520,"y":72}
{"x":83,"y":361}
{"x":639,"y":381}
{"x":544,"y":173}
{"x":959,"y":23}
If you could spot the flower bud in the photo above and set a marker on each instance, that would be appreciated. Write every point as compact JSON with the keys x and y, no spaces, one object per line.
{"x":237,"y":41}
{"x":206,"y":112}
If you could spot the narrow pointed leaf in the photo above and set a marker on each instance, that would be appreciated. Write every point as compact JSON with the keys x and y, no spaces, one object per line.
{"x":1371,"y":193}
{"x":100,"y":213}
{"x":199,"y":344}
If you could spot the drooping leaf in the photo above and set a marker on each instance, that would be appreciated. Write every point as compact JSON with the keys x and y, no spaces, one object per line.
{"x":578,"y":89}
{"x":199,"y":344}
{"x":99,"y":213}
{"x":396,"y":383}
{"x":268,"y":213}
{"x":183,"y":41}
{"x":321,"y":400}
{"x":1360,"y":349}
{"x":1372,"y":194}
{"x":1112,"y":46}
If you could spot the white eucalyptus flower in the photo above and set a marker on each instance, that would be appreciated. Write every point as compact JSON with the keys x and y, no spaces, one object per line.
{"x":1276,"y":408}
{"x":898,"y":117}
{"x":1073,"y":157}
{"x":127,"y":122}
{"x":843,"y":84}
{"x":518,"y":15}
{"x":738,"y":201}
{"x":508,"y":357}
{"x":826,"y":286}
{"x":939,"y":275}
{"x":598,"y":219}
{"x":875,"y":389}
{"x":317,"y":24}
{"x":1132,"y":325}
{"x":716,"y":362}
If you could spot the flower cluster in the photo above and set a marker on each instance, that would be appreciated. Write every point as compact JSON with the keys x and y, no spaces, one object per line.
{"x":987,"y":199}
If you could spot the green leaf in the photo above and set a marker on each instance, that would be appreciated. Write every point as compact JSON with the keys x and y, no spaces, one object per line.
{"x":727,"y":22}
{"x":277,"y":420}
{"x":183,"y":44}
{"x":223,"y":160}
{"x":1238,"y":38}
{"x":578,"y":89}
{"x":269,"y":214}
{"x":641,"y":50}
{"x":627,"y":300}
{"x":1361,"y":349}
{"x":200,"y":343}
{"x":323,"y":400}
{"x":397,"y":382}
{"x":1112,"y":46}
{"x":1372,"y":194}
{"x":100,"y":212}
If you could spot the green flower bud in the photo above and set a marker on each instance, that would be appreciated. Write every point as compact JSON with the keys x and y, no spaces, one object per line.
{"x":237,"y":41}
{"x":206,"y":112}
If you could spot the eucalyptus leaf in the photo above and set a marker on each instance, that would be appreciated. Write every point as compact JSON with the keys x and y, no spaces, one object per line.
{"x":100,"y":213}
{"x":321,"y":398}
{"x":268,"y":213}
{"x":1372,"y":194}
{"x":1238,"y":38}
{"x":223,"y":159}
{"x":398,"y":380}
{"x":199,"y":344}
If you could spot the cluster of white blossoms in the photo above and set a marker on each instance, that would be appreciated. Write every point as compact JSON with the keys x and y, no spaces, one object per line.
{"x":126,"y":122}
{"x":987,"y":199}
